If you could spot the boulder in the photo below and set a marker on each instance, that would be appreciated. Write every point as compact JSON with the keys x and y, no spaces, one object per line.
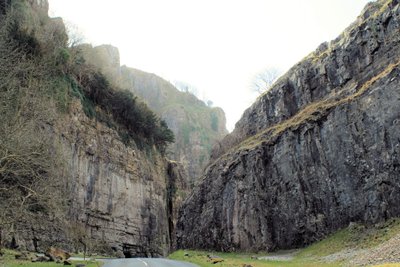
{"x":214,"y":259}
{"x":57,"y":254}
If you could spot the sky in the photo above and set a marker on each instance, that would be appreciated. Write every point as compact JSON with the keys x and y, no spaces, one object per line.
{"x":218,"y":46}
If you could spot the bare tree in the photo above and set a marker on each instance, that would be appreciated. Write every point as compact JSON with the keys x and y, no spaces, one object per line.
{"x":75,"y":35}
{"x":263,"y":80}
{"x":80,"y":238}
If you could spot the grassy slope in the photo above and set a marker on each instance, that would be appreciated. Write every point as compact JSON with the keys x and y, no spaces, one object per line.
{"x":355,"y":238}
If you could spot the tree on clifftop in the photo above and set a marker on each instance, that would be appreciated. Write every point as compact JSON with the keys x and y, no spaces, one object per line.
{"x":263,"y":80}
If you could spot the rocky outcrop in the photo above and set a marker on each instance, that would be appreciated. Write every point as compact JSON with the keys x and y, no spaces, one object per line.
{"x":196,"y":126}
{"x":318,"y":151}
{"x":105,"y":57}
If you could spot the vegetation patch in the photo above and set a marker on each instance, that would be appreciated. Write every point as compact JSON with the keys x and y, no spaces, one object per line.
{"x":135,"y":120}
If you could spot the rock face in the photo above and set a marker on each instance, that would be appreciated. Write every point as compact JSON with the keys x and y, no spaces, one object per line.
{"x":196,"y":126}
{"x":320,"y":150}
{"x":119,"y":193}
{"x":353,"y":57}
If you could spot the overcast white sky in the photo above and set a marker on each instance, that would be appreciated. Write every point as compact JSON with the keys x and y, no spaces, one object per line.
{"x":215,"y":45}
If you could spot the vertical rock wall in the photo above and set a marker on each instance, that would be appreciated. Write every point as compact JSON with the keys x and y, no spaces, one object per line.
{"x":119,"y":193}
{"x":320,"y":150}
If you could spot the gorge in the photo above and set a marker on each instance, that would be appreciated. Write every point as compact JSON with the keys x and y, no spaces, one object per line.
{"x":102,"y":157}
{"x":114,"y":190}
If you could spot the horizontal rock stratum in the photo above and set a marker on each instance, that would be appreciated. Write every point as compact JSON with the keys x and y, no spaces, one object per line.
{"x":318,"y":151}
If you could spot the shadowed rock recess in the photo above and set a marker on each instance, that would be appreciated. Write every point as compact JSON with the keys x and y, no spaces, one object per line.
{"x":321,"y":149}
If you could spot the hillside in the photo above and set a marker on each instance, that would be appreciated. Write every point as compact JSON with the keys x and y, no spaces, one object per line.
{"x":196,"y":126}
{"x":316,"y":152}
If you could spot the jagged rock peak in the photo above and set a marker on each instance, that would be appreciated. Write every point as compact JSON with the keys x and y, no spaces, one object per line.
{"x":110,"y":54}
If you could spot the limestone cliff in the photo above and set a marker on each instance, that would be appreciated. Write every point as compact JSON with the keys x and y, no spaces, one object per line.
{"x":196,"y":126}
{"x":119,"y":198}
{"x":120,"y":194}
{"x":318,"y":151}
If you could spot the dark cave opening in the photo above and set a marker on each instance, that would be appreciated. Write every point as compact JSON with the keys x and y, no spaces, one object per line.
{"x":127,"y":251}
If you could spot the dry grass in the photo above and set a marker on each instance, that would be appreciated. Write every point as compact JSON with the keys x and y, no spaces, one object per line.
{"x":384,"y":6}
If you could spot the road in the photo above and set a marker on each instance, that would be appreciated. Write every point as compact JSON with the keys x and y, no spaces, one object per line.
{"x":146,"y":262}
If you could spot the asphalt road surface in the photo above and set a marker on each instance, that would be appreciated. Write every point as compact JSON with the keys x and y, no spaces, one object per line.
{"x":146,"y":262}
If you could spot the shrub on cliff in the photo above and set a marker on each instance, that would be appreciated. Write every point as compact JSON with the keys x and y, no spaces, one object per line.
{"x":134,"y":118}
